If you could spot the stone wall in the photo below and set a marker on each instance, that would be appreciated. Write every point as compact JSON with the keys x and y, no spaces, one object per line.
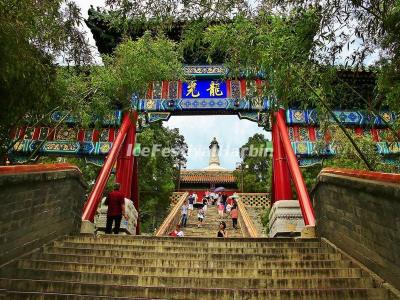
{"x":38,"y":203}
{"x":360,"y":213}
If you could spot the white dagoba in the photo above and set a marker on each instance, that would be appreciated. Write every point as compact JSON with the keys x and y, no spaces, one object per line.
{"x":213,"y":164}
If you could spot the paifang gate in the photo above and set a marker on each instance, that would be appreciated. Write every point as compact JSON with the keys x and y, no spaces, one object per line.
{"x":207,"y":91}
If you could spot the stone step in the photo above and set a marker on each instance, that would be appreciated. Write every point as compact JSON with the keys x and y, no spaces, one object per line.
{"x":191,"y":249}
{"x":191,"y":263}
{"x":194,"y":282}
{"x":213,"y":227}
{"x":195,"y":241}
{"x":304,"y":254}
{"x":192,"y":272}
{"x":130,"y":291}
{"x":210,"y":225}
{"x":204,"y":243}
{"x":14,"y":295}
{"x":211,"y":234}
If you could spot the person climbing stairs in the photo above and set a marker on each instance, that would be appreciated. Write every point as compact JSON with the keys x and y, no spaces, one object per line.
{"x":210,"y":225}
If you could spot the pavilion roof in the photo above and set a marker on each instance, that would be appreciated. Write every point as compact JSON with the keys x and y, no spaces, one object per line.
{"x":201,"y":176}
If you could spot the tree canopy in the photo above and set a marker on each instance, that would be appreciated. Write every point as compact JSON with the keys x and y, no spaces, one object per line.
{"x":254,"y":173}
{"x":32,"y":36}
{"x":158,"y":173}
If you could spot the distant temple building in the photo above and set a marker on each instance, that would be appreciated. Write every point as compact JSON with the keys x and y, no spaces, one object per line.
{"x":211,"y":176}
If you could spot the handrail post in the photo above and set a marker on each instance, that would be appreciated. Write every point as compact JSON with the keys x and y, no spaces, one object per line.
{"x":90,"y":207}
{"x":304,"y":199}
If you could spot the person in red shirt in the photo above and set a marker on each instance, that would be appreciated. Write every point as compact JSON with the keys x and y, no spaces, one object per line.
{"x":116,"y":209}
{"x":234,"y":215}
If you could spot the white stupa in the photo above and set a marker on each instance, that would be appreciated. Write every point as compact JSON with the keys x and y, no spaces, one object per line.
{"x":214,"y":164}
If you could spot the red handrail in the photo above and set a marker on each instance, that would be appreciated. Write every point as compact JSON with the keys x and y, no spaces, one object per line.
{"x":369,"y":175}
{"x":94,"y":198}
{"x":19,"y":169}
{"x":304,"y":199}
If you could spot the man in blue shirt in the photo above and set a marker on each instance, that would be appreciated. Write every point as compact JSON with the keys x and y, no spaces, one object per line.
{"x":184,"y":212}
{"x":191,"y":201}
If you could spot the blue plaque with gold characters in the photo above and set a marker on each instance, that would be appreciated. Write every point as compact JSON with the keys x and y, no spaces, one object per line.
{"x":204,"y":89}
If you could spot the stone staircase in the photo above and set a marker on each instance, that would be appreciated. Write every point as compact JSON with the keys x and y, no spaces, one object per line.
{"x":210,"y":225}
{"x":138,"y":267}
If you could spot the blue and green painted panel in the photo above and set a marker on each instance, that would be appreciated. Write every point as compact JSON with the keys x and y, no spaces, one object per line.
{"x":346,"y":117}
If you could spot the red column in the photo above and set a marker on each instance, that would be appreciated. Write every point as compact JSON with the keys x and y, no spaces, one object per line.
{"x":304,"y":199}
{"x":125,"y":161}
{"x":272,"y":187}
{"x":91,"y":204}
{"x":281,"y":176}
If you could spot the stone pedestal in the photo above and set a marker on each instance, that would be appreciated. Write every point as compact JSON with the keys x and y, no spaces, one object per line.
{"x":285,"y":219}
{"x":127,"y":226}
{"x":87,"y":227}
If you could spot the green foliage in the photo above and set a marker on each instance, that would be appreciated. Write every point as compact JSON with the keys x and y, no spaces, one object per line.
{"x":177,"y":10}
{"x":347,"y":157}
{"x":310,"y":175}
{"x":278,"y":46}
{"x":255,"y":170}
{"x":265,"y":217}
{"x":99,"y":90}
{"x":32,"y":35}
{"x":158,"y":174}
{"x":133,"y":65}
{"x":352,"y":30}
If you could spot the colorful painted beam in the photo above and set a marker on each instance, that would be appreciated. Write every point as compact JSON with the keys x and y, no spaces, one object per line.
{"x":346,"y":117}
{"x":311,"y":133}
{"x":218,"y":96}
{"x":311,"y":149}
{"x":64,"y":134}
{"x":213,"y":71}
{"x":68,"y":148}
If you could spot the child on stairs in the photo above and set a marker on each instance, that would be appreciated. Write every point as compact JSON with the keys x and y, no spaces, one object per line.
{"x":200,"y":217}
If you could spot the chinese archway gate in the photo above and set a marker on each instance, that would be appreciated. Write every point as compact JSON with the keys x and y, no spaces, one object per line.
{"x":294,"y":132}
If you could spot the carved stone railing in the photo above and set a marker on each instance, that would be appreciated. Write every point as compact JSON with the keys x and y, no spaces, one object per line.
{"x":174,"y":198}
{"x":245,"y":221}
{"x":256,"y":199}
{"x":173,"y":217}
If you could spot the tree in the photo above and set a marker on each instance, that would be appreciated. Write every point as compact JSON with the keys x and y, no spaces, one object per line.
{"x":32,"y":36}
{"x":351,"y":31}
{"x":256,"y":166}
{"x":127,"y":72}
{"x":128,"y":12}
{"x":346,"y":156}
{"x":282,"y":47}
{"x":158,"y":173}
